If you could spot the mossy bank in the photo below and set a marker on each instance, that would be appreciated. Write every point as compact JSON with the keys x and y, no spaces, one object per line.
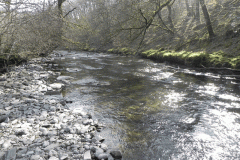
{"x":195,"y":59}
{"x":199,"y":59}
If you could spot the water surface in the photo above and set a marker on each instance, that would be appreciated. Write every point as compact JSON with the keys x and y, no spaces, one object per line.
{"x":155,"y":111}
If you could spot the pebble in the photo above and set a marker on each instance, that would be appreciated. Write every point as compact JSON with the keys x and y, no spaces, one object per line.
{"x":53,"y":158}
{"x":35,"y":157}
{"x":45,"y":144}
{"x":53,"y":153}
{"x":11,"y":154}
{"x":104,"y":147}
{"x":39,"y":126}
{"x":51,"y":146}
{"x":87,"y":155}
{"x":64,"y":157}
{"x":6,"y":144}
{"x":102,"y":156}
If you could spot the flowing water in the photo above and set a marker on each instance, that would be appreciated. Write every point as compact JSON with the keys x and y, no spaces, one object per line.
{"x":154,"y":111}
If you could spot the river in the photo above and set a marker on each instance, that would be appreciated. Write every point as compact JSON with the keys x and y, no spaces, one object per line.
{"x":155,"y":111}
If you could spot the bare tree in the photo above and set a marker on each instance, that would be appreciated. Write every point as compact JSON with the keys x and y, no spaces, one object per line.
{"x":197,"y":13}
{"x":207,"y":19}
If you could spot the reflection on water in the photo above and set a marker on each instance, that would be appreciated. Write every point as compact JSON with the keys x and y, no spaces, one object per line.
{"x":155,"y":111}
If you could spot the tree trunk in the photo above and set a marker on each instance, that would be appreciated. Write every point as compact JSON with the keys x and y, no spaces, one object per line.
{"x":188,"y":8}
{"x":60,"y":24}
{"x":197,"y":13}
{"x":207,"y":19}
{"x":170,"y":16}
{"x":60,"y":2}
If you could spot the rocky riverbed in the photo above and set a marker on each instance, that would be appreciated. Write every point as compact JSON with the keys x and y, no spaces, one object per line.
{"x":37,"y":125}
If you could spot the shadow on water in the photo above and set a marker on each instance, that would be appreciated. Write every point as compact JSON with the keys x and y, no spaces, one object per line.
{"x":153,"y":111}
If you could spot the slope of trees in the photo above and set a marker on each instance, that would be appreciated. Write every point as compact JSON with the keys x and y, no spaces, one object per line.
{"x":30,"y":27}
{"x":40,"y":28}
{"x":142,"y":24}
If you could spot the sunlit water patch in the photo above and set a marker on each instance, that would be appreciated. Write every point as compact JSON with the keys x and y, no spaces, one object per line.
{"x":210,"y":89}
{"x":173,"y":99}
{"x":229,"y":97}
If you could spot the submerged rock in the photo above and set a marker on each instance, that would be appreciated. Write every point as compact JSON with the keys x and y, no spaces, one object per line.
{"x":116,"y":154}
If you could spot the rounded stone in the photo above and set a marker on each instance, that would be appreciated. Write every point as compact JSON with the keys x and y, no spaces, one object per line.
{"x":116,"y":154}
{"x":86,"y":147}
{"x":104,"y":147}
{"x":53,"y":153}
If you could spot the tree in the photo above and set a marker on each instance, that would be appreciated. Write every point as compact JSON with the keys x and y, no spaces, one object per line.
{"x":197,"y":13}
{"x":146,"y":19}
{"x":188,"y":8}
{"x":207,"y":19}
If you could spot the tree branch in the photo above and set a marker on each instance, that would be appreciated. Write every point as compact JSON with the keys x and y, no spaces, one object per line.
{"x":69,"y":12}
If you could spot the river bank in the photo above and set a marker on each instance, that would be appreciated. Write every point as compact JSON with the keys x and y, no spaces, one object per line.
{"x":199,"y":59}
{"x":36,"y":122}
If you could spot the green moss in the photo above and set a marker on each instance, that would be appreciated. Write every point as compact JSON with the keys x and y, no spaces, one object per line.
{"x":196,"y":59}
{"x":150,"y":53}
{"x":219,"y":59}
{"x":183,"y":57}
{"x":92,"y":49}
{"x":235,"y":62}
{"x":112,"y":50}
{"x":123,"y":51}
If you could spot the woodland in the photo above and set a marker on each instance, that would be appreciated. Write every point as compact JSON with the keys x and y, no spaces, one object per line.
{"x":200,"y":32}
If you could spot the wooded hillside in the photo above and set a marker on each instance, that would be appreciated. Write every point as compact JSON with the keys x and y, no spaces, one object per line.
{"x":136,"y":25}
